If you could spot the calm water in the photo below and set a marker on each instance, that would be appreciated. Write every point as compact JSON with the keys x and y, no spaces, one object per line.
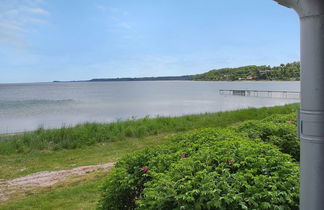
{"x":26,"y":107}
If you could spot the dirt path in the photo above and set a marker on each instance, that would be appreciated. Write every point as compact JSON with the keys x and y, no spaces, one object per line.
{"x":45,"y":179}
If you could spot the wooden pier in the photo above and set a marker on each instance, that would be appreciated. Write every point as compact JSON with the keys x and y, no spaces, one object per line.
{"x":262,"y":93}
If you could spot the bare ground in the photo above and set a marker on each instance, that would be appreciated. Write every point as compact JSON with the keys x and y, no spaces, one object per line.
{"x":45,"y":179}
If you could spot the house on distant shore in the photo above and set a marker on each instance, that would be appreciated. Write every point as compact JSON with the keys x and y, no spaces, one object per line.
{"x":250,"y":77}
{"x":264,"y":71}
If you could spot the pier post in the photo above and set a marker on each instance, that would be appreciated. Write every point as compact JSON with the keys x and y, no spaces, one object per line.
{"x":311,"y":117}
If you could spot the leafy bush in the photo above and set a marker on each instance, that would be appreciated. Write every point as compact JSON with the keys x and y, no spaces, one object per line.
{"x":154,"y":159}
{"x":204,"y":169}
{"x":229,"y":175}
{"x":279,"y":130}
{"x":282,"y":118}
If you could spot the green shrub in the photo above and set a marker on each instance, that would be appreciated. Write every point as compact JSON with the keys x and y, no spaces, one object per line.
{"x":278,"y":130}
{"x":206,"y":135}
{"x":156,"y":159}
{"x":126,"y":182}
{"x":209,"y":168}
{"x":282,"y":118}
{"x":229,"y":175}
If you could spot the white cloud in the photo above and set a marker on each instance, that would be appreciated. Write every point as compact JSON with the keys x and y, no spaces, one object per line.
{"x":102,"y":8}
{"x":17,"y":17}
{"x":37,"y":11}
{"x":124,"y":25}
{"x":120,"y":23}
{"x":11,"y":26}
{"x":117,"y":15}
{"x":117,"y":11}
{"x":34,"y":2}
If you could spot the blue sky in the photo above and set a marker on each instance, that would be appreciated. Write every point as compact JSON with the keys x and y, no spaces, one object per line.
{"x":46,"y":40}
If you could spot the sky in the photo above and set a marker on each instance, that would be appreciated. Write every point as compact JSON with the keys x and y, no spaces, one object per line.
{"x":47,"y":40}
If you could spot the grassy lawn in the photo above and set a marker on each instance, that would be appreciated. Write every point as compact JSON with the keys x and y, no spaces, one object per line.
{"x":16,"y":165}
{"x":93,"y":133}
{"x":83,"y":193}
{"x":77,"y":193}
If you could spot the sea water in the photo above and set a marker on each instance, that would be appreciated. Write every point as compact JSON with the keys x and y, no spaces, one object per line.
{"x":25,"y":107}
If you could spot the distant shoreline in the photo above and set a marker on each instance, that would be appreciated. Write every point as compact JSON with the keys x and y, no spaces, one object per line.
{"x":127,"y":79}
{"x":284,"y":72}
{"x":189,"y":80}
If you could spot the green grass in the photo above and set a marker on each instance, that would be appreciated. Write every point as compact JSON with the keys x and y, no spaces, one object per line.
{"x":17,"y":165}
{"x":39,"y":152}
{"x":212,"y":168}
{"x":82,"y":195}
{"x":93,"y":133}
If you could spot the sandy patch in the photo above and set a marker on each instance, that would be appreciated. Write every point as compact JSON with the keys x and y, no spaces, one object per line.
{"x":45,"y":179}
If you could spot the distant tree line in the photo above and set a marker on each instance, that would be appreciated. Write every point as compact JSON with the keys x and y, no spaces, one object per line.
{"x":290,"y":71}
{"x":141,"y":79}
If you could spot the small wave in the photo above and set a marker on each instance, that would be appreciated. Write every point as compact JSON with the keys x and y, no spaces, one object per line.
{"x":20,"y":103}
